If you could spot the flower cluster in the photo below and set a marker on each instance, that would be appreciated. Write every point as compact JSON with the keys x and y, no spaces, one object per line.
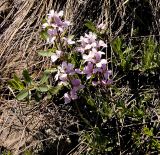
{"x":66,"y":74}
{"x":93,"y":64}
{"x":56,"y":26}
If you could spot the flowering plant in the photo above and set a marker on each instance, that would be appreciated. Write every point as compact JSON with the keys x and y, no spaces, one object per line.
{"x":77,"y":63}
{"x":92,"y":64}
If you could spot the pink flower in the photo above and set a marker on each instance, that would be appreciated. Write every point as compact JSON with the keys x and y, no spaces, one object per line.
{"x":101,"y":26}
{"x":76,"y":83}
{"x":91,"y":37}
{"x":98,"y":56}
{"x":73,"y":94}
{"x":88,"y":46}
{"x":67,"y":98}
{"x":107,"y":74}
{"x":55,"y":23}
{"x":78,"y":71}
{"x":80,"y":49}
{"x":53,"y":13}
{"x":69,"y":41}
{"x":83,"y":40}
{"x":106,"y":82}
{"x":87,"y":42}
{"x":67,"y":68}
{"x":66,"y":23}
{"x":88,"y":58}
{"x":88,"y":70}
{"x":64,"y":70}
{"x":94,"y":83}
{"x":63,"y":77}
{"x":101,"y":63}
{"x":56,"y":55}
{"x":54,"y":19}
{"x":51,"y":35}
{"x":94,"y":56}
{"x":52,"y":32}
{"x":102,"y":44}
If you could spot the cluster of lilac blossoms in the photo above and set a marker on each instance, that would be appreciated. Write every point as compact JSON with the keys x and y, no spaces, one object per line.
{"x":56,"y":26}
{"x":67,"y":75}
{"x":93,"y":64}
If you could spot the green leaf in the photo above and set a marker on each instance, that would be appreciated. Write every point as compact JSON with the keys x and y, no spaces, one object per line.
{"x":55,"y":90}
{"x":117,"y":45}
{"x":90,"y":101}
{"x":37,"y":96}
{"x":44,"y":35}
{"x":46,"y":74}
{"x":13,"y":84}
{"x":22,"y":95}
{"x":127,"y":51}
{"x":47,"y":53}
{"x":16,"y":78}
{"x":43,"y":88}
{"x":44,"y":79}
{"x":147,"y":131}
{"x":149,"y":53}
{"x":26,"y":76}
{"x":109,"y":149}
{"x":16,"y":83}
{"x":49,"y":71}
{"x":90,"y":25}
{"x":27,"y":152}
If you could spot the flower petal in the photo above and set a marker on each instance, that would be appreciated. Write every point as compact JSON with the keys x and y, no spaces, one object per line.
{"x":67,"y":98}
{"x":54,"y":57}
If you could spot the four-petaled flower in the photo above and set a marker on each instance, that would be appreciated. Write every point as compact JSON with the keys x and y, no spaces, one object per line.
{"x":56,"y":55}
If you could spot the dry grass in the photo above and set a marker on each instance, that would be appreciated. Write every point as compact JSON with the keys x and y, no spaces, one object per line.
{"x":20,"y":25}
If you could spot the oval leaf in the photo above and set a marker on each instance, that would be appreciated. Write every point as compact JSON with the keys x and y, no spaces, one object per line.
{"x":42,"y":88}
{"x":22,"y":95}
{"x":46,"y":53}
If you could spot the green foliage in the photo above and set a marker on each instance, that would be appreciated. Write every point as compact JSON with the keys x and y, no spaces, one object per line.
{"x":144,"y":57}
{"x":97,"y":142}
{"x":23,"y":94}
{"x":16,"y":83}
{"x":43,"y":88}
{"x":27,"y":152}
{"x":55,"y":90}
{"x":90,"y":101}
{"x":124,"y":53}
{"x":146,"y":140}
{"x":6,"y":153}
{"x":34,"y":89}
{"x":27,"y":78}
{"x":47,"y":53}
{"x":91,"y":26}
{"x":149,"y":55}
{"x":44,"y":35}
{"x":113,"y":117}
